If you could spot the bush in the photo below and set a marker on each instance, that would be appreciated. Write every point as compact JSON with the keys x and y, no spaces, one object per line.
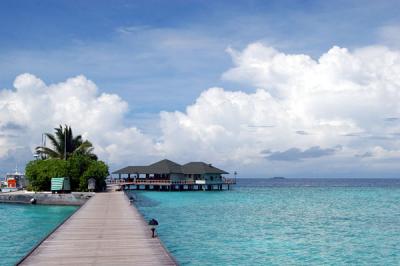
{"x":97,"y":170}
{"x":77,"y":165}
{"x":79,"y":168}
{"x":40,"y":172}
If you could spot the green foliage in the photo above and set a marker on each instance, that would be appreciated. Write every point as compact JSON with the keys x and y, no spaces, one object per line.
{"x":40,"y":172}
{"x":65,"y":144}
{"x":72,"y":157}
{"x":97,"y":170}
{"x":77,"y":165}
{"x":79,"y":168}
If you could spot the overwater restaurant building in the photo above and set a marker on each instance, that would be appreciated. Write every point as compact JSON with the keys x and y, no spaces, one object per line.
{"x":168,"y":175}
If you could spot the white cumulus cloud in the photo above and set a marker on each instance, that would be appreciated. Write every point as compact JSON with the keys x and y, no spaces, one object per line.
{"x":345,"y":98}
{"x":33,"y":108}
{"x":340,"y":111}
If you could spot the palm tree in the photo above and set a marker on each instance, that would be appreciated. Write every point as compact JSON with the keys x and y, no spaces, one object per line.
{"x":65,"y":144}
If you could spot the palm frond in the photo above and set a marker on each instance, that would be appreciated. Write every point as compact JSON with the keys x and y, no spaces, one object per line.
{"x":54,"y":142}
{"x":65,"y":144}
{"x":48,"y":152}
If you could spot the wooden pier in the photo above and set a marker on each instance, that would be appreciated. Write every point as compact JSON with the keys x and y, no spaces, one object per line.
{"x":107,"y":230}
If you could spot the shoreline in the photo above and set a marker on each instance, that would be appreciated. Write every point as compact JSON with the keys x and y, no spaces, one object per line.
{"x":49,"y":234}
{"x":46,"y":198}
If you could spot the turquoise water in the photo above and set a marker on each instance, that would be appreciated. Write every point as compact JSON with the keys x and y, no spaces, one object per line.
{"x":299,"y":223}
{"x":22,"y":226}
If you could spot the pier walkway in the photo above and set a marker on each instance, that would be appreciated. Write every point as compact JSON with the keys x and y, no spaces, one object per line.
{"x":107,"y":230}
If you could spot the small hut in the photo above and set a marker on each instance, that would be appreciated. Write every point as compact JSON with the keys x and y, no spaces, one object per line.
{"x":92,"y":184}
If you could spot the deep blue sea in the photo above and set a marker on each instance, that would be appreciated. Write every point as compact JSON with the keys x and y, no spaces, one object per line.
{"x":281,"y":222}
{"x":22,"y":226}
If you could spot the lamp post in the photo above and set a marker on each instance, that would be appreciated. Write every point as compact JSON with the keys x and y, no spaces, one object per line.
{"x":153,"y":225}
{"x":43,"y":144}
{"x":65,"y":143}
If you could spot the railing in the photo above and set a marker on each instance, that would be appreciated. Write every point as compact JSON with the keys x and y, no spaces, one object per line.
{"x":150,"y":181}
{"x":225,"y":181}
{"x":114,"y":181}
{"x":157,"y":181}
{"x":229,"y":180}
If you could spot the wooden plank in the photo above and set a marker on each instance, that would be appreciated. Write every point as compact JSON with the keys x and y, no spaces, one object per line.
{"x":107,"y":230}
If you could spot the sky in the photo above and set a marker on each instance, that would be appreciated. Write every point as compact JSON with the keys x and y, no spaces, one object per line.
{"x":264,"y":88}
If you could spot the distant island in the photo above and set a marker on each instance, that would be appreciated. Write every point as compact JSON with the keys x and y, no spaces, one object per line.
{"x":278,"y":177}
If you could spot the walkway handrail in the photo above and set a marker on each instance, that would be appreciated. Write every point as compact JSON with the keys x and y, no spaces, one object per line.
{"x":229,"y":180}
{"x":225,"y":181}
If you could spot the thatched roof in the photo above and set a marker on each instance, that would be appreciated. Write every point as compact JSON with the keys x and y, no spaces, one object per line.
{"x":164,"y":167}
{"x":131,"y":170}
{"x":169,"y":167}
{"x":201,"y":168}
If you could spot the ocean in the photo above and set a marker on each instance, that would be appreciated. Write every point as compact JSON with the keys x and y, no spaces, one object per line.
{"x":258,"y":222}
{"x":22,"y":226}
{"x":281,"y":222}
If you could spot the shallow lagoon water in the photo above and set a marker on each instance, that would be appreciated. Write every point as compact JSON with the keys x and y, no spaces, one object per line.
{"x":22,"y":226}
{"x":281,"y":222}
